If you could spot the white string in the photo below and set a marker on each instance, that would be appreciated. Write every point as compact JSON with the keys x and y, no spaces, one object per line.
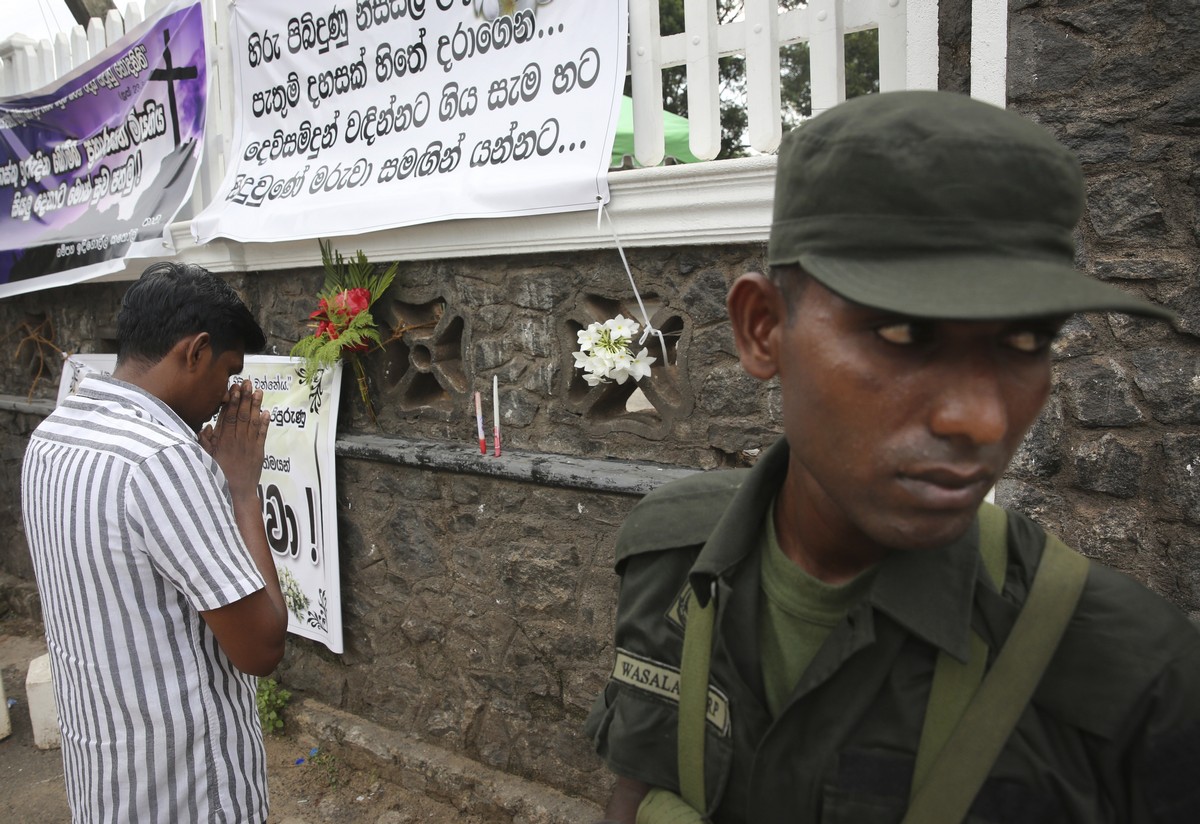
{"x":649,"y":329}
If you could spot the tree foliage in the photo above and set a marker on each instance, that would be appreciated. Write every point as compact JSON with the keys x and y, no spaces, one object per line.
{"x":862,"y":74}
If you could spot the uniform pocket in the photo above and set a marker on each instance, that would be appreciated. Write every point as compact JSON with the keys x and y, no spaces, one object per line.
{"x":872,"y":787}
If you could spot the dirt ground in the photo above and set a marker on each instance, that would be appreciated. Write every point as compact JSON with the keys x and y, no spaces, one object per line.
{"x":308,"y":785}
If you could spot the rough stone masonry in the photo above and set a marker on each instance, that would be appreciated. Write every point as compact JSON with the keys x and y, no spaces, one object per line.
{"x":478,"y":605}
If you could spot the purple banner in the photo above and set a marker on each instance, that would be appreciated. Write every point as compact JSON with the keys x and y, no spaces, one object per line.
{"x":95,"y":167}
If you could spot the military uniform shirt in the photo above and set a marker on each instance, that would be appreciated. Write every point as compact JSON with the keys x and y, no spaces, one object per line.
{"x":1112,"y":733}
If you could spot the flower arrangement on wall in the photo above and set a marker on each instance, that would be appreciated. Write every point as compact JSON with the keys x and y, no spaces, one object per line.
{"x":606,"y":352}
{"x":344,"y":325}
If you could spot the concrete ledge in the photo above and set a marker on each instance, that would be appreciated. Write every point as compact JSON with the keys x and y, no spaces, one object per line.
{"x":517,"y":465}
{"x":546,"y":469}
{"x":470,"y":786}
{"x":22,"y":406}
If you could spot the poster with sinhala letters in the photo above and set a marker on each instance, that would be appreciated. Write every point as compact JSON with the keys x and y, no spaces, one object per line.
{"x":360,"y":115}
{"x":296,"y":490}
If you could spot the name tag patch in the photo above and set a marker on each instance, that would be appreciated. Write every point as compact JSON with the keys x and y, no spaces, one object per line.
{"x":663,"y":680}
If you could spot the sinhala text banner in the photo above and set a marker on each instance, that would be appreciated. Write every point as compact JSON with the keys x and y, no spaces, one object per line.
{"x":95,"y":166}
{"x":360,"y":115}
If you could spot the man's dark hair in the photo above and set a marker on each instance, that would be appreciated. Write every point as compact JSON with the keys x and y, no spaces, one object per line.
{"x":173,"y":300}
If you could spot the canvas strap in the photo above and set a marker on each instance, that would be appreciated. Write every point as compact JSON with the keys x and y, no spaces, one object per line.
{"x":955,"y":682}
{"x":962,"y":765}
{"x":693,"y":699}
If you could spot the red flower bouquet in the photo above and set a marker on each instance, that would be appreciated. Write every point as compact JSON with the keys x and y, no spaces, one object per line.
{"x":343,"y":321}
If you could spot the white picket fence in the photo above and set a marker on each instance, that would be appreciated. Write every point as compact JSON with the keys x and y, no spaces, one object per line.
{"x":908,"y":58}
{"x":27,"y":64}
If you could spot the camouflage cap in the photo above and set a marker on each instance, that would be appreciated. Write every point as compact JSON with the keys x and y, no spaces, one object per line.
{"x":932,"y":204}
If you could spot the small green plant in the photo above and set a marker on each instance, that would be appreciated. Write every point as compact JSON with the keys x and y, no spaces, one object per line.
{"x":272,"y":698}
{"x":328,"y":762}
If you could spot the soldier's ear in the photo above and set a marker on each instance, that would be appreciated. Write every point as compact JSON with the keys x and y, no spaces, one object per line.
{"x":757,"y":312}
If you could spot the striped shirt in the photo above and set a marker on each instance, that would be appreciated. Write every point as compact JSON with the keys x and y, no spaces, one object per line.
{"x":132,"y":533}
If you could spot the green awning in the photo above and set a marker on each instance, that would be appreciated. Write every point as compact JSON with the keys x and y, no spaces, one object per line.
{"x":675,"y":131}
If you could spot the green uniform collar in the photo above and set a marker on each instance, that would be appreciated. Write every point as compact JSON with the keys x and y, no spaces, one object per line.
{"x":928,"y":592}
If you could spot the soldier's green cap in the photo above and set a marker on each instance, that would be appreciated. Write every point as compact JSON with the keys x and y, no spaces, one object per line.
{"x":932,"y":204}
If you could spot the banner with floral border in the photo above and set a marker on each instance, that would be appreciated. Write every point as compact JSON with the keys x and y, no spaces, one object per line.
{"x":296,"y":490}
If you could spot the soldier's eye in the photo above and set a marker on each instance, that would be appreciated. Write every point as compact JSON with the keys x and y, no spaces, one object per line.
{"x":898,"y":333}
{"x":1029,"y":341}
{"x":905,"y":333}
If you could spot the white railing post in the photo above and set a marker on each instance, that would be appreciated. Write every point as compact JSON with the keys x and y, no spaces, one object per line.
{"x":218,"y":122}
{"x":893,"y":44}
{"x":133,"y":15}
{"x":827,"y":54}
{"x":62,"y":53}
{"x":24,"y":65}
{"x":79,"y":47}
{"x":764,"y":124}
{"x":114,"y":27}
{"x":703,"y":89}
{"x":96,"y":39}
{"x":645,"y":66}
{"x":922,"y":52}
{"x":47,"y":73}
{"x":989,"y":52}
{"x":221,"y":64}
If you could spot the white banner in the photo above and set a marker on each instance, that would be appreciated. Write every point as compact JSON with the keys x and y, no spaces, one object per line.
{"x":357,"y":115}
{"x":296,"y":490}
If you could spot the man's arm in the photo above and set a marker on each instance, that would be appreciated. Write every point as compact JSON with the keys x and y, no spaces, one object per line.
{"x":250,"y":631}
{"x":623,"y":804}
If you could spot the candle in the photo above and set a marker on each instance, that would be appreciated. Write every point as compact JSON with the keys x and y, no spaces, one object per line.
{"x":479,"y":424}
{"x":496,"y":413}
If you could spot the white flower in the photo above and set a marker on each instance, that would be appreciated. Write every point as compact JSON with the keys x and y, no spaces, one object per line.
{"x":605,"y":354}
{"x":588,"y":338}
{"x":639,"y":366}
{"x":619,"y":370}
{"x":584,"y":361}
{"x":621,"y":327}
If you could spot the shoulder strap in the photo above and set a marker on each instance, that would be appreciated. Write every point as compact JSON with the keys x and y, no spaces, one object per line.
{"x":693,"y":699}
{"x":955,"y":682}
{"x":960,"y":769}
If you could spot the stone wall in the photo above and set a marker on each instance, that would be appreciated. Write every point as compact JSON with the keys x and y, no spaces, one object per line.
{"x":1114,"y":463}
{"x":478,"y":605}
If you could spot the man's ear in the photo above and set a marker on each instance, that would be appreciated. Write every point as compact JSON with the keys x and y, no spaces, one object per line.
{"x":757,"y":312}
{"x":195,"y":350}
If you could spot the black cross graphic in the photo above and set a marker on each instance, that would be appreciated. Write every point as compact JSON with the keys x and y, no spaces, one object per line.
{"x":171,"y":74}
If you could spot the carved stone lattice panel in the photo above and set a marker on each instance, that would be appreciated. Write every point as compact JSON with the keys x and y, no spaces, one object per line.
{"x":422,"y":366}
{"x":649,"y":407}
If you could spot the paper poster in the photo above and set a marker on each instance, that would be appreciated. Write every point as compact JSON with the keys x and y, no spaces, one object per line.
{"x":93,"y":168}
{"x":361,"y":115}
{"x":296,"y":491}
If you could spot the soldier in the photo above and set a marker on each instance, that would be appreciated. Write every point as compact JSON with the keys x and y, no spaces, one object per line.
{"x":921,"y":256}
